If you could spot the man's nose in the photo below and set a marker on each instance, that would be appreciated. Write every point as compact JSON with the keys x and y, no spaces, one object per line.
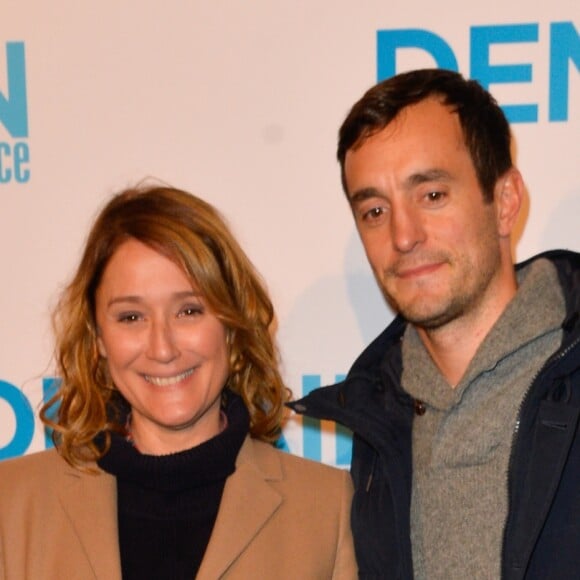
{"x":407,"y":229}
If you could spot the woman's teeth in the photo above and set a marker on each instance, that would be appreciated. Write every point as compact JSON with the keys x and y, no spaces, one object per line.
{"x":166,"y":381}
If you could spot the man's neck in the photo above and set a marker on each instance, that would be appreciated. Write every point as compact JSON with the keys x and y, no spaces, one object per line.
{"x":453,"y":345}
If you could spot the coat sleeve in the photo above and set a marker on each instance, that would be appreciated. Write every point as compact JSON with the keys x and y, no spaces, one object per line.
{"x":2,"y":575}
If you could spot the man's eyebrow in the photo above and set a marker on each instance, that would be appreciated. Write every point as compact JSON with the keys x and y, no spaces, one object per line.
{"x":362,"y":194}
{"x":426,"y":176}
{"x":411,"y":181}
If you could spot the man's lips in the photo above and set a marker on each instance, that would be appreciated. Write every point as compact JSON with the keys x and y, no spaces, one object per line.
{"x":416,"y":271}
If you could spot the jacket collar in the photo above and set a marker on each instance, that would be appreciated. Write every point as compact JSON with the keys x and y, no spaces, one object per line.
{"x":361,"y":400}
{"x":567,"y":264}
{"x":89,"y":502}
{"x":380,"y":361}
{"x":248,"y":502}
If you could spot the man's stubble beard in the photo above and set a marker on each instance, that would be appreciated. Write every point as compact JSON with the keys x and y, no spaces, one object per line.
{"x":459,"y":300}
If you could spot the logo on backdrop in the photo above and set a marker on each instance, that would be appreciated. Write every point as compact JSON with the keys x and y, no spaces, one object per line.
{"x":24,"y":416}
{"x":25,"y":424}
{"x":14,"y":149}
{"x":561,"y":48}
{"x":312,"y":432}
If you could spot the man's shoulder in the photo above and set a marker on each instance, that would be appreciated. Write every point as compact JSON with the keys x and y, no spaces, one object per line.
{"x":566,"y":262}
{"x":567,"y":265}
{"x":387,"y":342}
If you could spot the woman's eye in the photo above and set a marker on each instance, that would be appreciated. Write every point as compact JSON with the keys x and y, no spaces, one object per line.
{"x":194,"y":310}
{"x":129,"y":317}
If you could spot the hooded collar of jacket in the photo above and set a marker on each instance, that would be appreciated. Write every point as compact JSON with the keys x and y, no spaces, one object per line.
{"x":373,"y":383}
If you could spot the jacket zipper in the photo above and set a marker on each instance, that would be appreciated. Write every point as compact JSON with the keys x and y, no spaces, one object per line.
{"x":556,"y":358}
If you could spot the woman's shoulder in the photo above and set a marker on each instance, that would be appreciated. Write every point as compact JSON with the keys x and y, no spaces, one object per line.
{"x":310,"y":491}
{"x":294,"y":467}
{"x":40,"y":460}
{"x":29,"y":468}
{"x":35,"y":482}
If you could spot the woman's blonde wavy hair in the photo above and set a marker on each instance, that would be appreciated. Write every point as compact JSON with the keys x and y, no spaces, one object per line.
{"x":190,"y":232}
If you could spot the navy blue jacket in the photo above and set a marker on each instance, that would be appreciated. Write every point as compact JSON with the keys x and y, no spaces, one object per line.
{"x":542,"y":531}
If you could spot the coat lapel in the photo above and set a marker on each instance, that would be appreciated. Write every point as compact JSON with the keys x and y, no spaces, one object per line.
{"x":248,"y":502}
{"x":90,"y":505}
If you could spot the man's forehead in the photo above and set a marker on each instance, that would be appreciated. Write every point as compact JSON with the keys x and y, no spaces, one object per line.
{"x":421,"y":118}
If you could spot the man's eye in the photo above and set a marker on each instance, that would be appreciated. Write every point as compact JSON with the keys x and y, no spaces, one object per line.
{"x":435,"y":195}
{"x":373,"y":213}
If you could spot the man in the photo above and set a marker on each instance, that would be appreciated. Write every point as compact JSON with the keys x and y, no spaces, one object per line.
{"x":466,"y":453}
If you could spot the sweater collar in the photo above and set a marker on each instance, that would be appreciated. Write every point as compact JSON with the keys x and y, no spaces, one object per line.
{"x":210,"y":461}
{"x":537,"y":308}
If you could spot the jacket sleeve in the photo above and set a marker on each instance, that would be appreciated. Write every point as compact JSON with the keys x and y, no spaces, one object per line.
{"x":2,"y":575}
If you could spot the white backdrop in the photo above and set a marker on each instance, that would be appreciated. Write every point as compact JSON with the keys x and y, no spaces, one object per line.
{"x":240,"y":102}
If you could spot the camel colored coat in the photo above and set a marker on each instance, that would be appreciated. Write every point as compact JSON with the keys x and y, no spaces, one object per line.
{"x":280,"y":517}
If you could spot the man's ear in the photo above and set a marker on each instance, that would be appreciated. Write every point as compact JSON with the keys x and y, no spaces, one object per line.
{"x":509,"y":193}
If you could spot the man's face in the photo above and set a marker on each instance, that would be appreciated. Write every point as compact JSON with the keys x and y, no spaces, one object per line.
{"x":432,"y":241}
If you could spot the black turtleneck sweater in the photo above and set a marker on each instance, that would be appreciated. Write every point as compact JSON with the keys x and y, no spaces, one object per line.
{"x":167,"y":505}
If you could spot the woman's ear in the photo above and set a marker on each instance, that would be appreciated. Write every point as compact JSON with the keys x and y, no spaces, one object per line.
{"x":508,"y":199}
{"x":101,"y":345}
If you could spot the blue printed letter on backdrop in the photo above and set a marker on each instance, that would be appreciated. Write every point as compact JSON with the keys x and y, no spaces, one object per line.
{"x":564,"y":47}
{"x":484,"y":72}
{"x":389,"y":41}
{"x":13,"y":107}
{"x":24,"y":421}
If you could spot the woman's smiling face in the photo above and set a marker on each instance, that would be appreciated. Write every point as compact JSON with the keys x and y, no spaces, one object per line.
{"x":166,"y":351}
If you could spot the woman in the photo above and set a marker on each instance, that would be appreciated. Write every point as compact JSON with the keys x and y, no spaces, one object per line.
{"x":170,"y":396}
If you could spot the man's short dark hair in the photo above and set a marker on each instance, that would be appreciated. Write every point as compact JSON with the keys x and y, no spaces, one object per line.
{"x":485,"y":128}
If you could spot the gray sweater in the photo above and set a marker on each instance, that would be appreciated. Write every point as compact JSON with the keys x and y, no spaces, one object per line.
{"x":462,"y":444}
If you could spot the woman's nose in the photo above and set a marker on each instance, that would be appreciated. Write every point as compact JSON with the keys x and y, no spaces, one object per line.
{"x":162,"y":346}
